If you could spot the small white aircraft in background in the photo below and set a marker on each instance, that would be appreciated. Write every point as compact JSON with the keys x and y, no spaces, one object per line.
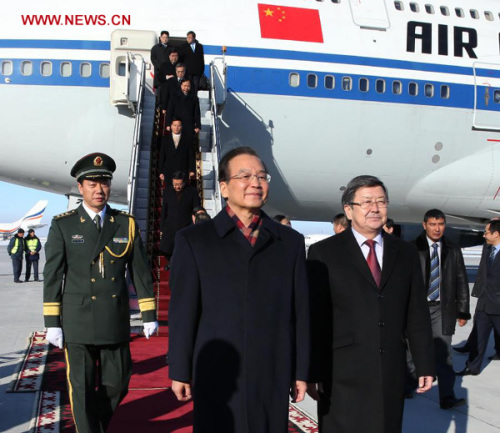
{"x":32,"y":220}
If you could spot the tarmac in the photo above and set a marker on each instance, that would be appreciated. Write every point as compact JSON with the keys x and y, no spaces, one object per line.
{"x":22,"y":314}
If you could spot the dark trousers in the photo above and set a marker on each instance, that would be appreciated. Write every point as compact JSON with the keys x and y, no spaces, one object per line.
{"x":472,"y":339}
{"x":483,"y":324}
{"x":98,"y":378}
{"x":31,"y":261}
{"x":17,"y":267}
{"x":443,"y":359}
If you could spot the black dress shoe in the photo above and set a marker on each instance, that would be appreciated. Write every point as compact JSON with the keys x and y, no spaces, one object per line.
{"x":466,"y":372}
{"x":494,"y":357}
{"x":463,"y":349}
{"x":450,"y":403}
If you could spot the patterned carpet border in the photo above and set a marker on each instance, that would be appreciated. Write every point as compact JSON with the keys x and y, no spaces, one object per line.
{"x":28,"y":374}
{"x":302,"y":422}
{"x":46,"y":413}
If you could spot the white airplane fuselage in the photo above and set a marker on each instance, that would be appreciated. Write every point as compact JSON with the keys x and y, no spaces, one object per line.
{"x":410,"y":97}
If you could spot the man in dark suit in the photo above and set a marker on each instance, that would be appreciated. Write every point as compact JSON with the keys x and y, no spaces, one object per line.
{"x":176,"y":153}
{"x":445,"y":279}
{"x":159,"y":55}
{"x":178,"y":204}
{"x":367,"y":295}
{"x":239,"y":313}
{"x":185,"y":106}
{"x":173,"y":86}
{"x":487,"y":290}
{"x":85,"y":294}
{"x":194,"y":58}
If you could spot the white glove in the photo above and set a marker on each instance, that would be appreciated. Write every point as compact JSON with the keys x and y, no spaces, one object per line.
{"x":55,"y":337}
{"x":150,"y":328}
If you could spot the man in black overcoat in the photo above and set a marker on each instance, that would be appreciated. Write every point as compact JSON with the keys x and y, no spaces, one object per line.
{"x":447,"y":287}
{"x":176,"y":153}
{"x":184,"y":105}
{"x":487,"y":290}
{"x":193,"y":56}
{"x":172,"y":86}
{"x":159,"y":55}
{"x":367,"y":295}
{"x":239,"y":312}
{"x":178,"y":203}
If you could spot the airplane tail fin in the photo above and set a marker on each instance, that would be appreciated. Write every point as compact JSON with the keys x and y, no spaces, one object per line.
{"x":31,"y":219}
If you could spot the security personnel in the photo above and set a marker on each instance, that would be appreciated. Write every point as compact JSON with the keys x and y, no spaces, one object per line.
{"x":32,"y":246}
{"x":85,"y":300}
{"x":16,"y":251}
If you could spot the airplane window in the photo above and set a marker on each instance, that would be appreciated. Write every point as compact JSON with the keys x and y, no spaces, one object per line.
{"x":104,"y":70}
{"x":26,"y":68}
{"x":474,"y":14}
{"x":380,"y":86}
{"x":444,"y":11}
{"x":459,"y":12}
{"x":346,"y":83}
{"x":364,"y":84}
{"x":46,"y":69}
{"x":399,"y":5}
{"x":6,"y":67}
{"x":413,"y":89}
{"x":488,"y":15}
{"x":496,"y":96}
{"x":429,"y":90}
{"x":414,"y":7}
{"x":336,"y":1}
{"x":396,"y":87}
{"x":312,"y":81}
{"x":329,"y":81}
{"x":66,"y":69}
{"x":294,"y":79}
{"x":429,"y":9}
{"x":445,"y":91}
{"x":85,"y":69}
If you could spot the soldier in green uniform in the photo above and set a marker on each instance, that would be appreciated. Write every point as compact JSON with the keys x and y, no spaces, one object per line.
{"x":85,"y":299}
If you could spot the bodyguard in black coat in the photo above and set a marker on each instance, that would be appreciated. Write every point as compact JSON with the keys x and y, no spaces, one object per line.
{"x":366,"y":299}
{"x":239,"y":314}
{"x":159,"y":55}
{"x":180,"y":158}
{"x":178,"y":203}
{"x":451,"y":302}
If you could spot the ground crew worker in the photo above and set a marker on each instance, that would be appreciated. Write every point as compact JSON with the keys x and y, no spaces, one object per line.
{"x":16,"y":251}
{"x":32,"y":247}
{"x":85,"y":300}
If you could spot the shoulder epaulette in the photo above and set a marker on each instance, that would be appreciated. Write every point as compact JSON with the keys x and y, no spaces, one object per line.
{"x":122,"y":212}
{"x":65,"y":214}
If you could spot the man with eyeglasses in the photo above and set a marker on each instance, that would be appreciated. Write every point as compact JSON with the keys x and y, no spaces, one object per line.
{"x":367,"y":294}
{"x":239,"y":312}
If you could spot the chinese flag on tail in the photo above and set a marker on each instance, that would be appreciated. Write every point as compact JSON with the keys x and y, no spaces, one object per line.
{"x":294,"y":24}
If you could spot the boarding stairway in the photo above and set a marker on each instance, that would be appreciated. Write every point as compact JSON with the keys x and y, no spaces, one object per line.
{"x":145,"y":187}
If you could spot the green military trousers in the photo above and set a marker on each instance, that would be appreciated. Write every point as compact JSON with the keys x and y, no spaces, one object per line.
{"x":98,"y":378}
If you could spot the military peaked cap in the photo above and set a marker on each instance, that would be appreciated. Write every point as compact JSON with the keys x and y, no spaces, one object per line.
{"x":94,"y":166}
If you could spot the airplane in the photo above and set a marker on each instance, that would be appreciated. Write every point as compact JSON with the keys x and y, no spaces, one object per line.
{"x":408,"y":91}
{"x":31,"y":220}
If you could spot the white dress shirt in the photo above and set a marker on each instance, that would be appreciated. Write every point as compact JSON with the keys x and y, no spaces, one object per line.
{"x":92,"y":214}
{"x":365,"y":249}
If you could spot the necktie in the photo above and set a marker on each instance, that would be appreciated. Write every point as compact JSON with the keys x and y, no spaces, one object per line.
{"x":433,"y":292}
{"x":97,"y":220}
{"x":373,"y":262}
{"x":492,"y":256}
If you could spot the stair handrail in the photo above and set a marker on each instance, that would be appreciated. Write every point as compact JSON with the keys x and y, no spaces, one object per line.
{"x":132,"y":176}
{"x":216,"y":151}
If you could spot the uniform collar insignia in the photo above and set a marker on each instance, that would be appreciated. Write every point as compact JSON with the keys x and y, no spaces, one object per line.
{"x":111,"y":219}
{"x":82,"y":219}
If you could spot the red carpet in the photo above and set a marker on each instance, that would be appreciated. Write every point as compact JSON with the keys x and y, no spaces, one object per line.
{"x":150,"y":405}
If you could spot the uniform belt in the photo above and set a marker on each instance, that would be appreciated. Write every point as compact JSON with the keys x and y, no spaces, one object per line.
{"x":433,"y":303}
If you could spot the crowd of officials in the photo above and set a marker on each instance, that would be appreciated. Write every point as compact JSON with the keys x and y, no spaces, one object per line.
{"x":361,"y":323}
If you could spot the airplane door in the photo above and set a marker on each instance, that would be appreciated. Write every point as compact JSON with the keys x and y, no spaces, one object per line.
{"x":370,"y":14}
{"x":486,"y":95}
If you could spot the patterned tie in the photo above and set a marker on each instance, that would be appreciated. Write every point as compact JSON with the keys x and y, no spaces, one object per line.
{"x":492,"y":256}
{"x":97,"y":221}
{"x":373,"y":262}
{"x":433,"y":292}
